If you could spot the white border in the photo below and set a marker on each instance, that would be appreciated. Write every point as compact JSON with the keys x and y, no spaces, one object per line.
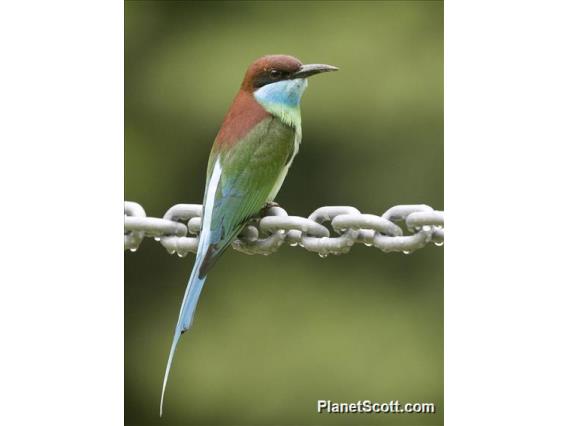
{"x":61,"y":174}
{"x":506,"y":292}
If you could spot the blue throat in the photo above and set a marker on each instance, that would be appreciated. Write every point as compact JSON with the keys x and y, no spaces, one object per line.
{"x":282,"y":99}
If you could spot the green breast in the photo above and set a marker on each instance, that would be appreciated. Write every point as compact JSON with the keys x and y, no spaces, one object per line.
{"x":261,"y":155}
{"x":250,"y":169}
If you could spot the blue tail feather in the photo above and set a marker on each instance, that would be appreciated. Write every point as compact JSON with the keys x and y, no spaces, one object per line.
{"x":192,"y":292}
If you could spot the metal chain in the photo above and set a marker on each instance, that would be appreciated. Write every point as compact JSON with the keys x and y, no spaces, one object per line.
{"x":178,"y":230}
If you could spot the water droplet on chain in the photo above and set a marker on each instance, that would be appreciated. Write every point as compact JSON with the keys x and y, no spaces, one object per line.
{"x":439,"y":243}
{"x":406,"y":251}
{"x":293,"y":244}
{"x":368,"y":244}
{"x":181,"y":254}
{"x":171,"y":251}
{"x":322,"y":255}
{"x":133,"y":249}
{"x":426,"y":228}
{"x":156,"y":238}
{"x":301,"y":244}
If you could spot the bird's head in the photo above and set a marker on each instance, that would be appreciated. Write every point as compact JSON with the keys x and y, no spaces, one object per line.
{"x":280,"y":79}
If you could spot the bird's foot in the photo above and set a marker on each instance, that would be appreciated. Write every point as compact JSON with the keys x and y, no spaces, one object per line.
{"x":267,"y":207}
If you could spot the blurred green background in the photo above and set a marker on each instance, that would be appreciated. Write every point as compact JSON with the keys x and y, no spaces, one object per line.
{"x":274,"y":334}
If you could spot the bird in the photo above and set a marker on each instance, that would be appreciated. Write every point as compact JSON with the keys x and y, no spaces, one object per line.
{"x":250,"y":158}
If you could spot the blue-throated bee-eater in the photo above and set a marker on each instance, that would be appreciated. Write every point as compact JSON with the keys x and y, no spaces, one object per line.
{"x":250,"y":158}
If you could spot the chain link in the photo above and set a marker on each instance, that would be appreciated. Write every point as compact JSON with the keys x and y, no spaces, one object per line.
{"x":178,"y":230}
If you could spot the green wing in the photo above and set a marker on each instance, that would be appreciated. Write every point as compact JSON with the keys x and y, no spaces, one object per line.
{"x":249,"y":171}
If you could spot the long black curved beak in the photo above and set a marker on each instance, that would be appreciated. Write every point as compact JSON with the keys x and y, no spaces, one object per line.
{"x":311,"y":69}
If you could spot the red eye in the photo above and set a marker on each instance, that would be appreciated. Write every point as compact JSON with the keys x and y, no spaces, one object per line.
{"x":275,"y":74}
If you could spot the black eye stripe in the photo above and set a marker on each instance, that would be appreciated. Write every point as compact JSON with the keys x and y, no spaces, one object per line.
{"x":271,"y":76}
{"x":275,"y":73}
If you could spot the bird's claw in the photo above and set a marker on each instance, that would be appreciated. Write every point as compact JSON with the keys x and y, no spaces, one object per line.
{"x":267,"y":207}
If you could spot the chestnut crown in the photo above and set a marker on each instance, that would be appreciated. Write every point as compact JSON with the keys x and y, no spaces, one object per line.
{"x":272,"y":68}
